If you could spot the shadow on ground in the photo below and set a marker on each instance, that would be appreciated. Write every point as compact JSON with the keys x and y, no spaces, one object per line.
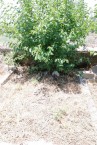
{"x":65,"y":83}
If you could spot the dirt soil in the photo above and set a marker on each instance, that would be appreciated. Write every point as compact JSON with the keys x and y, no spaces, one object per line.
{"x":93,"y":89}
{"x":54,"y":110}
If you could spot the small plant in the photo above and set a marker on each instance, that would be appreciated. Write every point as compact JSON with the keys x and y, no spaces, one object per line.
{"x":60,"y":114}
{"x":8,"y":58}
{"x":93,"y":53}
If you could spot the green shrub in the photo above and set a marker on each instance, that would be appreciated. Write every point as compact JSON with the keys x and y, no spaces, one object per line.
{"x":94,"y":20}
{"x":48,"y":32}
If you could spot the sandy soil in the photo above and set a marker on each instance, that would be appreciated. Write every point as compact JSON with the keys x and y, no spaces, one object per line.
{"x":93,"y":90}
{"x":49,"y":109}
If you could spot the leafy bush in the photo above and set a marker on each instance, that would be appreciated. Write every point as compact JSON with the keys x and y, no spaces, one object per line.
{"x":47,"y":32}
{"x":94,"y":20}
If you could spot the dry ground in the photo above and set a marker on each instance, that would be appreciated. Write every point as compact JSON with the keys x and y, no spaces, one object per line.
{"x":55,"y":111}
{"x":93,"y":89}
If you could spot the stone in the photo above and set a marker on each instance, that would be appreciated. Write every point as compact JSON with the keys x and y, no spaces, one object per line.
{"x":96,"y":79}
{"x":91,"y":80}
{"x":55,"y":74}
{"x":94,"y":69}
{"x":88,"y":74}
{"x":13,"y":68}
{"x":45,"y":73}
{"x":19,"y":76}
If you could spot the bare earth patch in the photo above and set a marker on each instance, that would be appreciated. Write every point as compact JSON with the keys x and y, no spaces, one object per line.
{"x":55,"y":111}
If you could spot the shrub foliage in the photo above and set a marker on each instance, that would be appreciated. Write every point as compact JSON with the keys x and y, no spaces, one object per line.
{"x":47,"y":32}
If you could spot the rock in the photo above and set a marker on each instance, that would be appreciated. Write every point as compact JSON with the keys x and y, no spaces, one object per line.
{"x":94,"y":69}
{"x":13,"y":68}
{"x":39,"y":76}
{"x":19,"y":76}
{"x":55,"y":74}
{"x":96,"y":79}
{"x":88,"y":74}
{"x":45,"y":73}
{"x":91,"y":80}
